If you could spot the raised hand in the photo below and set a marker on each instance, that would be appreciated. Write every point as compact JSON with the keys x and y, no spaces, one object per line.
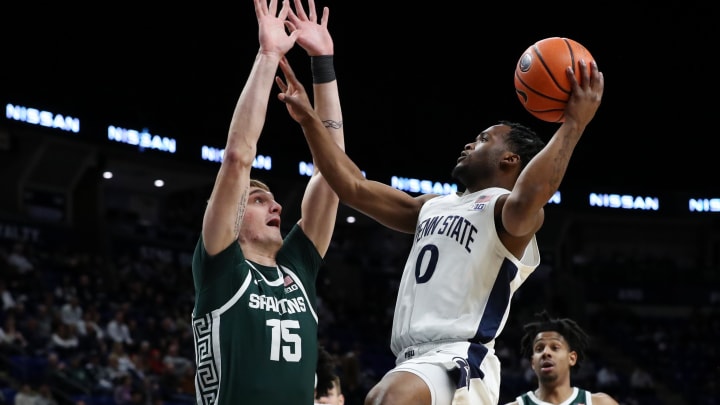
{"x":293,"y":94}
{"x":273,"y":37}
{"x":586,"y":95}
{"x":313,"y":37}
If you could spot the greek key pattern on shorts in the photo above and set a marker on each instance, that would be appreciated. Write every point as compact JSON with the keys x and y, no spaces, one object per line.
{"x":207,"y":381}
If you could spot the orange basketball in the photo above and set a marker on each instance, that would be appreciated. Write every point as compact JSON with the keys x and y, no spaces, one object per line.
{"x":541,"y":83}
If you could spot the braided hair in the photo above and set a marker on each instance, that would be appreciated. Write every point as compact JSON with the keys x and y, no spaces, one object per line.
{"x":523,"y":141}
{"x":573,"y":334}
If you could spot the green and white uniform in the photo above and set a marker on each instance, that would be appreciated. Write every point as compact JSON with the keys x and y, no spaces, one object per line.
{"x":255,"y":327}
{"x":578,"y":397}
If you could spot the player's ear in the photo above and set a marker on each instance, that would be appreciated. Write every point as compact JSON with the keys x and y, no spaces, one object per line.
{"x":572,"y":358}
{"x":509,"y":160}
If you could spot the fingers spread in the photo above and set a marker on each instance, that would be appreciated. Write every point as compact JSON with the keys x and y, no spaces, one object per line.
{"x":299,"y":10}
{"x":281,"y":84}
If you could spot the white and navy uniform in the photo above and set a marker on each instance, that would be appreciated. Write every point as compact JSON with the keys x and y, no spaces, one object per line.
{"x":454,"y":298}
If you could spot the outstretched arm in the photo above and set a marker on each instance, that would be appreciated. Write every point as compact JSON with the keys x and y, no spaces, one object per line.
{"x":522,"y":213}
{"x":391,"y":207}
{"x":226,"y":206}
{"x":320,"y":203}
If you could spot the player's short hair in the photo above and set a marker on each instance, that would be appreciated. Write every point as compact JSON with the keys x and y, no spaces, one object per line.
{"x":573,"y":334}
{"x":259,"y":184}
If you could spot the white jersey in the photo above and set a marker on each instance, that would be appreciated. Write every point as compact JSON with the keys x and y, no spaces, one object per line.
{"x":459,"y":279}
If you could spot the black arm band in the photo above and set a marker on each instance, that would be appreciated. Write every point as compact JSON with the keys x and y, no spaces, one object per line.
{"x":322,"y":68}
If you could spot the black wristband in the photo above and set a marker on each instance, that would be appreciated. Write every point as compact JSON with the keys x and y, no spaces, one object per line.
{"x":322,"y":68}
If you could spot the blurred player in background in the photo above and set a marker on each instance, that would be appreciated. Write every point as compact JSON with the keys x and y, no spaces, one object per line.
{"x":556,"y":347}
{"x":327,"y":390}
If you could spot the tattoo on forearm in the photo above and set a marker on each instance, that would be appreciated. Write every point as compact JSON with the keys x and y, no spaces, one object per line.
{"x":333,"y":124}
{"x":242,"y":204}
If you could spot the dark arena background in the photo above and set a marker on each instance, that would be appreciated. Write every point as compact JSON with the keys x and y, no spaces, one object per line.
{"x":630,"y":245}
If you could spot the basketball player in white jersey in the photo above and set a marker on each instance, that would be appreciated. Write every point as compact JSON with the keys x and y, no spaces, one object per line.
{"x":471,"y":250}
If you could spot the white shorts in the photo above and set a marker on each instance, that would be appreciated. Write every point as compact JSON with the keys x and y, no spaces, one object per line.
{"x":436,"y":378}
{"x":457,"y":373}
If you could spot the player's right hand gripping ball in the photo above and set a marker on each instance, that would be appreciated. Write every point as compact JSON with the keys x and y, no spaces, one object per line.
{"x":541,"y":83}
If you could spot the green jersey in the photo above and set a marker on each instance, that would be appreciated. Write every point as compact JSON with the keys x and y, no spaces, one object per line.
{"x":578,"y":397}
{"x":255,"y":327}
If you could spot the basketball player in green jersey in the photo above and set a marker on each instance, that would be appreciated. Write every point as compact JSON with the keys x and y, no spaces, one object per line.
{"x":555,"y":346}
{"x":254,"y":319}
